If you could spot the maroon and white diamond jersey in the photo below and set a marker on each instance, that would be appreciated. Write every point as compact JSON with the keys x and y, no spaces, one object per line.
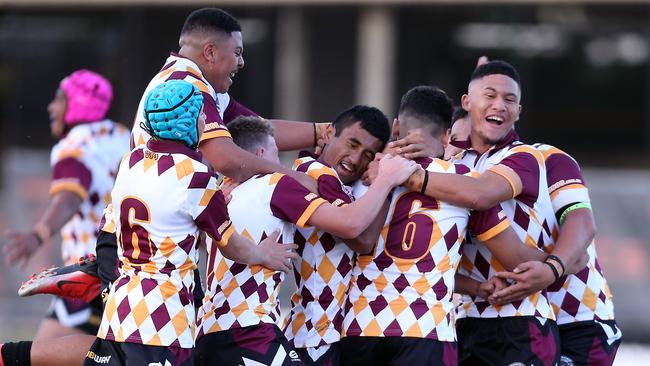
{"x":322,"y":271}
{"x":219,"y":108}
{"x":239,"y":295}
{"x":404,"y":287}
{"x":85,"y":162}
{"x":527,"y":212}
{"x":163,"y":196}
{"x":180,"y":68}
{"x":584,"y":295}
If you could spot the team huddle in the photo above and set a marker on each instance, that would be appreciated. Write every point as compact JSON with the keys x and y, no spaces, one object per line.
{"x":437,"y":239}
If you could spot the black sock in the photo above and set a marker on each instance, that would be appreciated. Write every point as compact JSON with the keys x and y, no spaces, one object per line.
{"x":17,"y":353}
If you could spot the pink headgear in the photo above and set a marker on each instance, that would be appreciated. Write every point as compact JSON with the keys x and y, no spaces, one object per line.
{"x":89,"y":96}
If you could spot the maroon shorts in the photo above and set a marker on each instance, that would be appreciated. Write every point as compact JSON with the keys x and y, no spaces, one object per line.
{"x":111,"y":353}
{"x":517,"y":340}
{"x":408,"y":351}
{"x":263,"y":343}
{"x":592,"y":343}
{"x":331,"y":357}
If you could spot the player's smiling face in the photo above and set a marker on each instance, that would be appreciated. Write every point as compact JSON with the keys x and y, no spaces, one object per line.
{"x":493,"y":105}
{"x":350,"y":152}
{"x":228,"y":61}
{"x":56,"y":109}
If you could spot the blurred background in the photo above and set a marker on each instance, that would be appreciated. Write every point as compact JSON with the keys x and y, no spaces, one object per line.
{"x":585,"y":78}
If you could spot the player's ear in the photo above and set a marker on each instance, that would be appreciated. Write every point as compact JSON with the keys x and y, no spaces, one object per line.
{"x":209,"y":51}
{"x":395,"y":129}
{"x":330,"y":131}
{"x":464,"y":102}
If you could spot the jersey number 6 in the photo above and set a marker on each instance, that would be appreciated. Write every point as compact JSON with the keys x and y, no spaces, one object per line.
{"x":135,"y":239}
{"x":412,"y":231}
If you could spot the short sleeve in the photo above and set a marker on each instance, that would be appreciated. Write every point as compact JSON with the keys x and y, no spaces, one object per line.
{"x":207,"y":206}
{"x":292,"y":202}
{"x":329,"y":186}
{"x":522,"y":170}
{"x":485,"y":225}
{"x":565,"y":183}
{"x":214,"y":126}
{"x":70,"y":174}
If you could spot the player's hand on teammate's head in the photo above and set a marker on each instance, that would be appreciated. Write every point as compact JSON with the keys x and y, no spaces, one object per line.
{"x":373,"y":169}
{"x":320,"y":144}
{"x":396,"y":169}
{"x":276,"y":256}
{"x":19,"y":246}
{"x":416,"y":144}
{"x":530,"y":277}
{"x":391,"y":148}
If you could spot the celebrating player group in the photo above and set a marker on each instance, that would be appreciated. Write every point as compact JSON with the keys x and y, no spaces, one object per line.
{"x":436,"y":239}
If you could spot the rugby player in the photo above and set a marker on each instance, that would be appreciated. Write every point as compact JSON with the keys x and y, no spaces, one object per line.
{"x":323,"y":270}
{"x":581,"y":299}
{"x":400,"y":309}
{"x":163,"y":195}
{"x":84,"y":163}
{"x":237,"y":321}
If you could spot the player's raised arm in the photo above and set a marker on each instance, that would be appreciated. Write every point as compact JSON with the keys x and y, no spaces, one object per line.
{"x":293,"y":135}
{"x":476,"y":193}
{"x":241,"y":165}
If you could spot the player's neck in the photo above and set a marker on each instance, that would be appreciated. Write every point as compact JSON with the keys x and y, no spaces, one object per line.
{"x":479,"y":144}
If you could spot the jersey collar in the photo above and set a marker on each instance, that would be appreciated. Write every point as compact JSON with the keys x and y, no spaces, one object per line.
{"x":173,"y":147}
{"x":508,"y":140}
{"x":308,"y":154}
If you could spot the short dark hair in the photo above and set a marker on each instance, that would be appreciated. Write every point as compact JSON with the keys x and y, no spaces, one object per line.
{"x":496,"y":67}
{"x":372,"y":120}
{"x":430,"y":105}
{"x":250,"y":132}
{"x":459,"y":113}
{"x":210,"y":19}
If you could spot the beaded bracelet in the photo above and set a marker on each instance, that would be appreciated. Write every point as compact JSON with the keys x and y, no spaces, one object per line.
{"x":558,"y":260}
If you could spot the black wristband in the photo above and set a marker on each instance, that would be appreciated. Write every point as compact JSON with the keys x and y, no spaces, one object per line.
{"x":425,"y":182}
{"x":315,"y":138}
{"x":557,"y":275}
{"x":558,"y":260}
